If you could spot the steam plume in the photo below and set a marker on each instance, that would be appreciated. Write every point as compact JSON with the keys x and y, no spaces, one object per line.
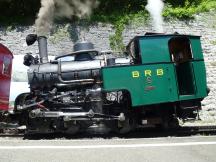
{"x":51,"y":9}
{"x":45,"y":17}
{"x":155,"y":8}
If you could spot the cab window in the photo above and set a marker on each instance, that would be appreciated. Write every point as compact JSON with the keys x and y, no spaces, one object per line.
{"x":180,"y":49}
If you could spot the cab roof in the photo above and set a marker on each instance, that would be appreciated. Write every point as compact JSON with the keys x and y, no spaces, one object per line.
{"x":150,"y":35}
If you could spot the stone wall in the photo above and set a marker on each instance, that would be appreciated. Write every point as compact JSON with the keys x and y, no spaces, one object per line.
{"x":63,"y":36}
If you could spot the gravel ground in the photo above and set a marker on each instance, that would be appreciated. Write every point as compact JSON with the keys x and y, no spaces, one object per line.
{"x":187,"y":149}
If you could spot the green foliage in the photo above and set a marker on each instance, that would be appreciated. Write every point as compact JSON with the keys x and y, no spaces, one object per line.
{"x":23,"y":11}
{"x":59,"y":33}
{"x":18,"y":11}
{"x":189,"y":9}
{"x":119,"y":13}
{"x":182,"y":3}
{"x":116,"y":40}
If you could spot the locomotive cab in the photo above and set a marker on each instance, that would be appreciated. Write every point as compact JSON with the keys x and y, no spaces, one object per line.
{"x":183,"y":52}
{"x":168,"y":70}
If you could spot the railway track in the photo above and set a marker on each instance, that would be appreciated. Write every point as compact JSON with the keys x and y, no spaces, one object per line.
{"x":138,"y":133}
{"x":198,"y":129}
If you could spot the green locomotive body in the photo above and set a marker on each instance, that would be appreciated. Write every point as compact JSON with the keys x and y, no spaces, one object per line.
{"x":158,"y":74}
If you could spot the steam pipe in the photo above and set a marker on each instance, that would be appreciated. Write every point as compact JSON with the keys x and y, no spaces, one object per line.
{"x":70,"y":81}
{"x":42,"y":44}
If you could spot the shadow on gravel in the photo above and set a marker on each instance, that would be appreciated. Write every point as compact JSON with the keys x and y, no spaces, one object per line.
{"x":144,"y":133}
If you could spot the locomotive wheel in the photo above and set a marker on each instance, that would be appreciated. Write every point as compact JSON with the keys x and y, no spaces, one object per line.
{"x":20,"y":100}
{"x":71,"y":128}
{"x":169,"y":122}
{"x":22,"y":116}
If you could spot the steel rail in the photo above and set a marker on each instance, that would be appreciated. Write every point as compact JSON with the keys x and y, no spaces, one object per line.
{"x":140,"y":132}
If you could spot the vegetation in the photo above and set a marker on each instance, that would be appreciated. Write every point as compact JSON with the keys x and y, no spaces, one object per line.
{"x":18,"y":11}
{"x":189,"y":9}
{"x":23,"y":11}
{"x":59,"y":33}
{"x":124,"y":11}
{"x":116,"y":40}
{"x":119,"y":13}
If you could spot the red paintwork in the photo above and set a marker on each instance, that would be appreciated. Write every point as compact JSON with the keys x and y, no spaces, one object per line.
{"x":5,"y":76}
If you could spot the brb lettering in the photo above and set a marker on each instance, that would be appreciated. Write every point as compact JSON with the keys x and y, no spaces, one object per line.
{"x":148,"y":73}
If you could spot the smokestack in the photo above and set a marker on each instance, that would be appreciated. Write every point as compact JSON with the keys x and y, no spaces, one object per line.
{"x":42,"y":44}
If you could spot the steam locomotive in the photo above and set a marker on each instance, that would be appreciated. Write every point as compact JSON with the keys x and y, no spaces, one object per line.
{"x":161,"y":79}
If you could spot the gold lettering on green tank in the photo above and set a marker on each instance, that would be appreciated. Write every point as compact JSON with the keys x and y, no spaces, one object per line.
{"x":160,"y":72}
{"x":147,"y":73}
{"x":135,"y":74}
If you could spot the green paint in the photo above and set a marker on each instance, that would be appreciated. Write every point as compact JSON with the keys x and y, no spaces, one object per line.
{"x":156,"y":79}
{"x":154,"y":49}
{"x":196,"y":48}
{"x":144,"y":90}
{"x":200,"y":79}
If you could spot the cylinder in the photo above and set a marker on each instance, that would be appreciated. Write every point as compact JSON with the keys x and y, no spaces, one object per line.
{"x":42,"y":44}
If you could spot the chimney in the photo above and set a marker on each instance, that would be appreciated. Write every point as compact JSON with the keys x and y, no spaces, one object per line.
{"x":42,"y":44}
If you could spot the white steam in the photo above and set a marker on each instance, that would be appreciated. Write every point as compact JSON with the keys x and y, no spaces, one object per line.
{"x":155,"y":8}
{"x":51,"y":9}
